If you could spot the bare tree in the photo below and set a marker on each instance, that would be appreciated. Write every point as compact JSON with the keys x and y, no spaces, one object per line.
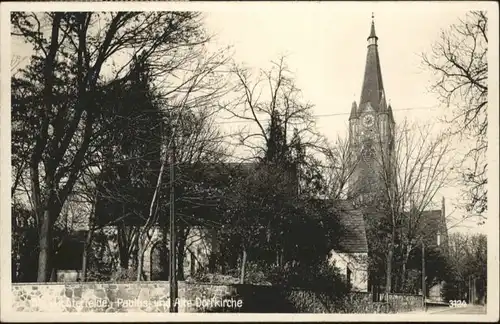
{"x":75,"y":52}
{"x":411,"y":174}
{"x":196,"y":145}
{"x":15,"y":63}
{"x":279,"y":129}
{"x":341,"y":161}
{"x":197,"y":140}
{"x":459,"y":62}
{"x":271,"y":94}
{"x":467,"y":259}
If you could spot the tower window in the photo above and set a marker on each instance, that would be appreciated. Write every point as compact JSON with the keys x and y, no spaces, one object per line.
{"x":438,"y":239}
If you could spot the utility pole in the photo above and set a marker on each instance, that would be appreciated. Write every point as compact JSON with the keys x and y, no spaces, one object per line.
{"x":474,"y":290}
{"x":173,"y":250}
{"x":423,"y":275}
{"x":470,"y":291}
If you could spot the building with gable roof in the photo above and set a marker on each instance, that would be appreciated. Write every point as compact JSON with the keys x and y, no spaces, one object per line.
{"x":350,"y":254}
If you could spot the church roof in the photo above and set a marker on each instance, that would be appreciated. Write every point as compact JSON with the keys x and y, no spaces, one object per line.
{"x":372,"y":31}
{"x":207,"y":175}
{"x":432,"y":218}
{"x":373,"y":87}
{"x":391,"y":115}
{"x":383,"y":104}
{"x":353,"y":234}
{"x":353,"y":111}
{"x":432,"y":223}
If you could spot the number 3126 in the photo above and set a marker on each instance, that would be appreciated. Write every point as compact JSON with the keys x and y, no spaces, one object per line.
{"x":458,"y":303}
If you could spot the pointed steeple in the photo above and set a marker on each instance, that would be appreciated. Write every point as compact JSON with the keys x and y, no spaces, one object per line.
{"x":373,"y":87}
{"x":382,"y":104}
{"x":391,"y":116}
{"x":354,"y":113}
{"x":372,"y":30}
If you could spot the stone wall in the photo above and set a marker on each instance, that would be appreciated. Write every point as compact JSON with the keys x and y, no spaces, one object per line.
{"x":110,"y":297}
{"x":362,"y":302}
{"x":403,"y":302}
{"x":153,"y":297}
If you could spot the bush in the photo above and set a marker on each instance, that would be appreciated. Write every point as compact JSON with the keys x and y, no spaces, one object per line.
{"x":124,"y":275}
{"x":317,"y":288}
{"x":100,"y":261}
{"x":256,"y":274}
{"x":453,"y":290}
{"x":323,"y":288}
{"x":321,"y":277}
{"x":213,"y":278}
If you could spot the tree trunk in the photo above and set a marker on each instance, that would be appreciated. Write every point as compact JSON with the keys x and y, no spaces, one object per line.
{"x":124,"y":260}
{"x":388,"y":281}
{"x":403,"y":277}
{"x":45,"y":253}
{"x":123,"y":246}
{"x":45,"y":224}
{"x":243,"y":264}
{"x":88,"y":239}
{"x":140,"y":260}
{"x":403,"y":268}
{"x":181,"y":254}
{"x":86,"y":248}
{"x":388,"y":272}
{"x":16,"y":249}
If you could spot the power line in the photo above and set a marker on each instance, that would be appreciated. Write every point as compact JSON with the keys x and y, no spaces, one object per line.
{"x":327,"y":115}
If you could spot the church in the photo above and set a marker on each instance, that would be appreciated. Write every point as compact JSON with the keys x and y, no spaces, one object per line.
{"x":371,"y":137}
{"x":371,"y":129}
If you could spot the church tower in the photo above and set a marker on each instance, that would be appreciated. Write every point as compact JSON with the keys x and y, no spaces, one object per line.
{"x":371,"y":131}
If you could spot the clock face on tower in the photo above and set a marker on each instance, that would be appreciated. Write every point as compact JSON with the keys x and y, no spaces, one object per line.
{"x":368,"y":120}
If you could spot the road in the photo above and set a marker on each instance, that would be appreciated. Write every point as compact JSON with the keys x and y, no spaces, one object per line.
{"x":445,"y":310}
{"x":469,"y":309}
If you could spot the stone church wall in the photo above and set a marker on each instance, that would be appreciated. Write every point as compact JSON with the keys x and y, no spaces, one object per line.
{"x":356,"y":265}
{"x":200,"y":244}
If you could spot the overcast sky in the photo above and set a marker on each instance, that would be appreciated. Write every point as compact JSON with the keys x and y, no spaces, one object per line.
{"x":326,"y":50}
{"x":326,"y":47}
{"x":326,"y":44}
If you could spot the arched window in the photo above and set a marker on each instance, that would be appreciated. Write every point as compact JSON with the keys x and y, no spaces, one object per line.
{"x":349,"y":273}
{"x":438,"y":238}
